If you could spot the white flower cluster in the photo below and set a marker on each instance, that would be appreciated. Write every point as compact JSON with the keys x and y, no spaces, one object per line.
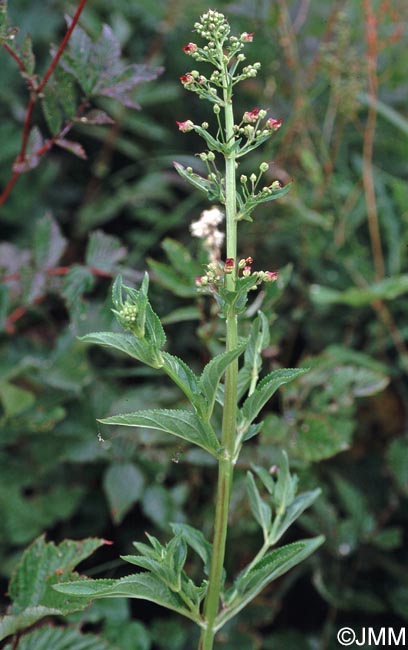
{"x":206,"y":228}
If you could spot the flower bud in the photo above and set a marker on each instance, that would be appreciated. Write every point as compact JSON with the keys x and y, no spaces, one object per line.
{"x":250,"y":117}
{"x":187,"y":79}
{"x":186,"y":126}
{"x":216,"y":109}
{"x":190,"y":48}
{"x":263,"y":167}
{"x":273,"y":124}
{"x":243,"y":178}
{"x":270,"y":276}
{"x":252,"y":178}
{"x":249,"y":131}
{"x":211,"y":156}
{"x":247,"y":38}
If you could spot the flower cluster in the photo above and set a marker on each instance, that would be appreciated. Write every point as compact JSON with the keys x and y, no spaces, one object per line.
{"x":216,"y":272}
{"x":245,"y":267}
{"x":220,"y":49}
{"x":127,"y":317}
{"x":212,"y":26}
{"x":206,"y":228}
{"x":250,"y":127}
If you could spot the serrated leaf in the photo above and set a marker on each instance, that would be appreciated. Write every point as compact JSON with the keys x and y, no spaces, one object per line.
{"x":183,"y":424}
{"x":31,"y":587}
{"x":123,"y":484}
{"x":60,"y":638}
{"x":196,"y":540}
{"x":42,"y":564}
{"x":167,"y":564}
{"x":27,"y":54}
{"x":182,"y":375}
{"x":66,"y":90}
{"x":103,"y":251}
{"x":144,"y":586}
{"x":274,"y":564}
{"x":137,"y":348}
{"x":266,"y":388}
{"x":99,"y":69}
{"x":155,"y":332}
{"x":10,"y":624}
{"x":51,"y":109}
{"x":212,"y":373}
{"x":48,"y":243}
{"x":260,"y":510}
{"x":295,"y":509}
{"x":76,"y":282}
{"x":76,"y":57}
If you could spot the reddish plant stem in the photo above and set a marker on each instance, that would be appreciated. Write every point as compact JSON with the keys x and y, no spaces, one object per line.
{"x":63,"y":45}
{"x":15,"y":57}
{"x":34,"y":95}
{"x":26,"y":127}
{"x":12,"y":181}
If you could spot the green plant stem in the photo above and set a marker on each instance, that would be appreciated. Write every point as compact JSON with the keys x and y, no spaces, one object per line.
{"x":226,"y":464}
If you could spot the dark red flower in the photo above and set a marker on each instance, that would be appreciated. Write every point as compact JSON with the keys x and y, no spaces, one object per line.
{"x":189,"y":48}
{"x":273,"y":124}
{"x":251,"y":116}
{"x":186,"y":79}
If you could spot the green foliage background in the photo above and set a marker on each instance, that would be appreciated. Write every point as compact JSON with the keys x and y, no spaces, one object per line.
{"x":343,"y":423}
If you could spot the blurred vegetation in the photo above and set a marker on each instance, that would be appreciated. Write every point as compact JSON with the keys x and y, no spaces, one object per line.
{"x":336,"y":74}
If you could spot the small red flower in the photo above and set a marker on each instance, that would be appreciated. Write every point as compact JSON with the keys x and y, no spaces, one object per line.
{"x":189,"y":48}
{"x":187,"y":79}
{"x":247,"y":38}
{"x":271,"y":276}
{"x":186,"y":126}
{"x":229,"y":265}
{"x":273,"y":124}
{"x":251,"y":116}
{"x":249,"y":260}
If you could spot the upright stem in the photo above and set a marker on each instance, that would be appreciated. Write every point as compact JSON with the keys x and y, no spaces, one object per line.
{"x":225,"y":469}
